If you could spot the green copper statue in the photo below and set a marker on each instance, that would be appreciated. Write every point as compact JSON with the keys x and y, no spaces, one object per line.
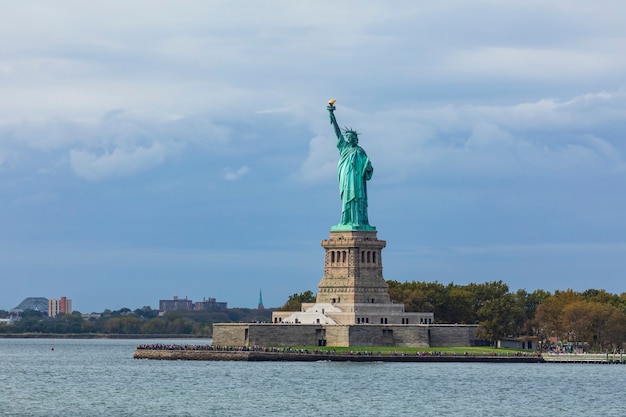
{"x":354,"y":170}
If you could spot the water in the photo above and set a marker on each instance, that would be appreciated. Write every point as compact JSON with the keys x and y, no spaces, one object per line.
{"x":100,"y":378}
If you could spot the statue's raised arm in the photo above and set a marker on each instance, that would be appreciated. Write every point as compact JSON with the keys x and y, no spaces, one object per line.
{"x":333,"y":119}
{"x":354,"y":170}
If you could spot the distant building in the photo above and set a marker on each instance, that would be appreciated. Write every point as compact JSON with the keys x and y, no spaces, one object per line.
{"x":210,"y":304}
{"x":175,"y":304}
{"x":62,"y":305}
{"x":32,"y":303}
{"x":515,"y":343}
{"x":179,"y":304}
{"x":261,"y":307}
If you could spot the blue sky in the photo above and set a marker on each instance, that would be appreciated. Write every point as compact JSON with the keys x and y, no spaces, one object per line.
{"x":152,"y":149}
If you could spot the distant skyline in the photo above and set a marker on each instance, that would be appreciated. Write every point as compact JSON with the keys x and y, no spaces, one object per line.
{"x":152,"y":149}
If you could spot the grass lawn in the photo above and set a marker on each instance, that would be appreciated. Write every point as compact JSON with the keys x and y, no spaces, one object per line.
{"x":479,"y":350}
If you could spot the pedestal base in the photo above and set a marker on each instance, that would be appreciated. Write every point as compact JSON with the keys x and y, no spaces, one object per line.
{"x":348,"y":227}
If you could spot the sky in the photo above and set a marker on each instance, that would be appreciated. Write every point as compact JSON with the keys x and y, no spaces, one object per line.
{"x":158,"y":148}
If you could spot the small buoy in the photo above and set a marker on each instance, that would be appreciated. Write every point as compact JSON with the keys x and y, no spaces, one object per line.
{"x":52,"y":348}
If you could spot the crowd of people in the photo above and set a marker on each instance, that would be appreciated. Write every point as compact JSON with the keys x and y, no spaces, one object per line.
{"x":172,"y":346}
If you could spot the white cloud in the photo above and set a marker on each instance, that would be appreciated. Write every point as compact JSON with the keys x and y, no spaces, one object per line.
{"x":232,"y":175}
{"x":119,"y":144}
{"x":321,"y":161}
{"x":577,"y":136}
{"x":70,"y":59}
{"x":551,"y":127}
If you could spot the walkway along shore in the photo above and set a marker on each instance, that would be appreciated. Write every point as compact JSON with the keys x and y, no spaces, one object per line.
{"x":210,"y":353}
{"x":261,"y":354}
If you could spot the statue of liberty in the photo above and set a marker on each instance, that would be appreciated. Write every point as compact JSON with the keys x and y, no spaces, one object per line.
{"x":354,"y":170}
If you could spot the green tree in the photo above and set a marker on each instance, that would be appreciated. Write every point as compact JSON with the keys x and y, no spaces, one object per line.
{"x":528,"y":304}
{"x":294,"y":303}
{"x":33,"y":313}
{"x":131,"y":325}
{"x":113,"y":325}
{"x":179,"y":325}
{"x":146,"y":312}
{"x":459,"y":306}
{"x":487,"y":291}
{"x":419,"y":296}
{"x":71,"y":323}
{"x":601,"y":296}
{"x":154,"y":326}
{"x":498,"y":317}
{"x":430,"y":297}
{"x":29,"y":325}
{"x":88,"y":327}
{"x":450,"y":304}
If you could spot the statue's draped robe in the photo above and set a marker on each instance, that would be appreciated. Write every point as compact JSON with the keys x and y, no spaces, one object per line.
{"x":354,"y":169}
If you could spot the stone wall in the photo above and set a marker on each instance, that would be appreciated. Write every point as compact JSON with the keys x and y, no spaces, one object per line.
{"x":263,"y":334}
{"x":388,"y":335}
{"x":284,"y":334}
{"x":450,"y":335}
{"x":337,"y":335}
{"x":229,"y":334}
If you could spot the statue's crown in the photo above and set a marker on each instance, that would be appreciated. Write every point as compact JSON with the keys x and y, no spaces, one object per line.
{"x":351,"y":131}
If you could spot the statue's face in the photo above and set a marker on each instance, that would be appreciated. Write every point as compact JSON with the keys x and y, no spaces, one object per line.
{"x":352,"y":139}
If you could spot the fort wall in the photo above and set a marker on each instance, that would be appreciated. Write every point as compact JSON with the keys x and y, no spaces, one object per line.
{"x":264,"y":334}
{"x":450,"y":335}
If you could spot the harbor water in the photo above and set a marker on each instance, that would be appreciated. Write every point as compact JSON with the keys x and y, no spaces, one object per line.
{"x":98,"y":377}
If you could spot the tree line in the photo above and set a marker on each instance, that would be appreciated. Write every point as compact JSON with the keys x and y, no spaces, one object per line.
{"x":142,"y":321}
{"x":595,"y":317}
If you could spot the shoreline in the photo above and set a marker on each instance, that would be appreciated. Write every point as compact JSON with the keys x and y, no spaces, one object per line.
{"x":322,"y":356}
{"x":327,"y":356}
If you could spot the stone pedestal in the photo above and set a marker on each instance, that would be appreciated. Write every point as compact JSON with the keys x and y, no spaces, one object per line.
{"x":353,"y":290}
{"x":353,"y":269}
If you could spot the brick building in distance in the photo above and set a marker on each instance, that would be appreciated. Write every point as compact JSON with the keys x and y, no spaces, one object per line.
{"x":186,"y":304}
{"x":62,"y":305}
